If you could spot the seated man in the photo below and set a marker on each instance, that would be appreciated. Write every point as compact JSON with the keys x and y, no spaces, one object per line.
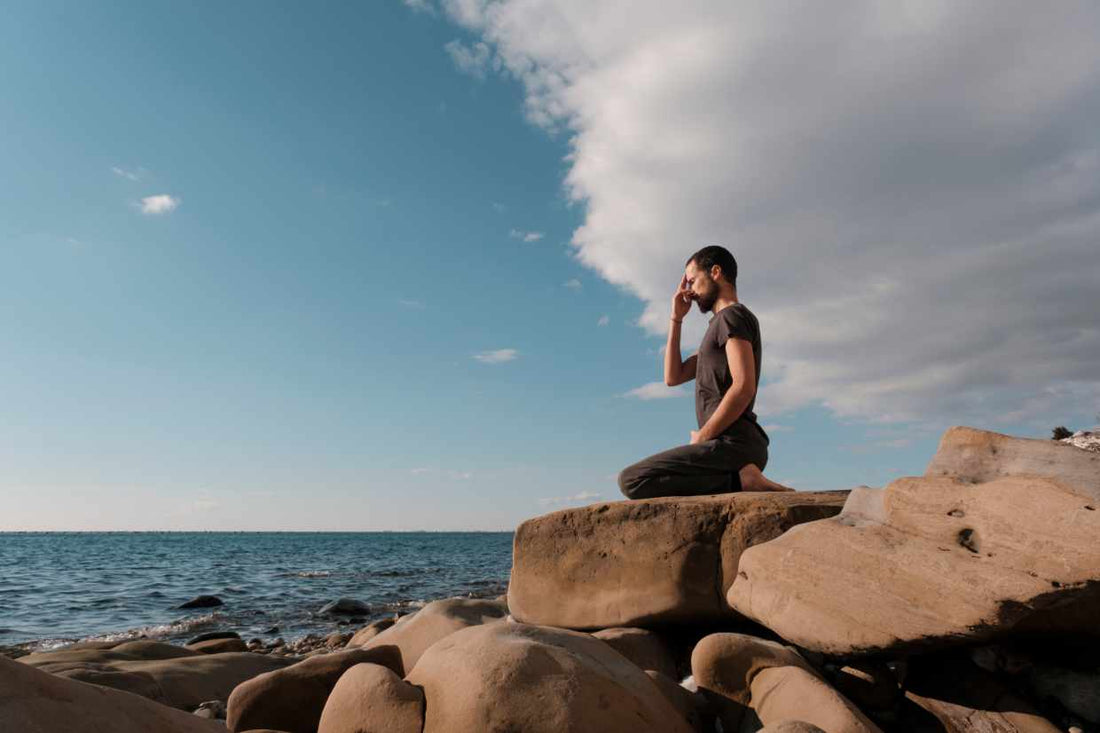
{"x":729,"y":450}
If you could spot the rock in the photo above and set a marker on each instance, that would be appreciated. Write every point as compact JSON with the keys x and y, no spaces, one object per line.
{"x":213,"y":635}
{"x":639,"y":563}
{"x":1084,"y":439}
{"x":869,"y":684}
{"x":293,"y":698}
{"x":775,"y":681}
{"x":979,"y":456}
{"x":642,"y":647}
{"x":211,"y":710}
{"x":966,"y":699}
{"x":178,"y":677}
{"x":929,"y":562}
{"x":217,"y":646}
{"x":412,"y":635}
{"x":33,"y":701}
{"x":337,"y":639}
{"x":345,"y":607}
{"x":370,"y":697}
{"x":557,"y":681}
{"x":690,"y":705}
{"x":202,"y":602}
{"x":365,"y":634}
{"x":791,"y":726}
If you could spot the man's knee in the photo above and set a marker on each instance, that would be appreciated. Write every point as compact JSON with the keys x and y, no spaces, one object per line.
{"x":630,"y":482}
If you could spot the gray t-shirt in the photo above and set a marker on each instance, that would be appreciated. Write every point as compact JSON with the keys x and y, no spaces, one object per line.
{"x":712,"y":369}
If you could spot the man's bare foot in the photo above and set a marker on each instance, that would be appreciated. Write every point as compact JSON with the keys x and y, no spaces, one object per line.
{"x":753,"y":480}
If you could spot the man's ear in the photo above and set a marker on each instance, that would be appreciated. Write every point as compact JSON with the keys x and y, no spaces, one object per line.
{"x":715,"y":272}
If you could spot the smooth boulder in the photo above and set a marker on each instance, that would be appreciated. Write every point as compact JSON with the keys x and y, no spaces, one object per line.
{"x":639,"y":563}
{"x":368,"y":632}
{"x":293,"y":698}
{"x":370,"y":698}
{"x":172,"y":675}
{"x":774,"y":681}
{"x":930,"y":562}
{"x":641,"y":646}
{"x":413,"y":635}
{"x":515,"y":677}
{"x":33,"y":701}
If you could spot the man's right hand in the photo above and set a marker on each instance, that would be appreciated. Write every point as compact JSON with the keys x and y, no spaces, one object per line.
{"x":681,"y":301}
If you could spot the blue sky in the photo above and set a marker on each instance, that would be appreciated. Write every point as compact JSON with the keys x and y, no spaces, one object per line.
{"x":278,"y":266}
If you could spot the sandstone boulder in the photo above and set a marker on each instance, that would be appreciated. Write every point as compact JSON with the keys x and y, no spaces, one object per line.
{"x":929,"y":562}
{"x":32,"y":701}
{"x":217,"y":646}
{"x":791,"y":726}
{"x":775,"y":681}
{"x":637,"y":563}
{"x":645,"y":648}
{"x":412,"y":635}
{"x":370,"y":698}
{"x":293,"y":698}
{"x":508,"y":676}
{"x":368,"y":632}
{"x":175,"y":676}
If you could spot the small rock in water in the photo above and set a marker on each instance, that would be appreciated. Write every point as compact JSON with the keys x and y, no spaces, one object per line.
{"x":214,"y":635}
{"x":202,"y":602}
{"x":346,"y":607}
{"x":271,"y":630}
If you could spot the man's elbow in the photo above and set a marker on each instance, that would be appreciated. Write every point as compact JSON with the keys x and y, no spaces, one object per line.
{"x":671,"y":381}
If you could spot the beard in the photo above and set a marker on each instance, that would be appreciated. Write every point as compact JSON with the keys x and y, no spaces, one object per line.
{"x":706,"y":301}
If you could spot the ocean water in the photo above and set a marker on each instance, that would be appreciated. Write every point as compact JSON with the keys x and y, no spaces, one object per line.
{"x":59,"y":587}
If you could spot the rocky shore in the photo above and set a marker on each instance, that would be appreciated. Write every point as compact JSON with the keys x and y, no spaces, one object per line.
{"x":966,"y":599}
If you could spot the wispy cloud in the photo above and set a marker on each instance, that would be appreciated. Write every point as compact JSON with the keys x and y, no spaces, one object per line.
{"x":159,"y":204}
{"x":420,"y":6}
{"x":526,"y":236}
{"x":573,"y":284}
{"x":604,"y":320}
{"x":496,"y":357}
{"x":131,"y":175}
{"x":416,"y":304}
{"x":499,"y":207}
{"x":655,"y":391}
{"x":419,"y":470}
{"x":584,"y":496}
{"x":476,"y":60}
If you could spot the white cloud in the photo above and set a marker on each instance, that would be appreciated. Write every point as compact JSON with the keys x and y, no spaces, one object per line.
{"x":415,"y":304}
{"x":656,"y":391}
{"x":476,"y":60}
{"x":914,"y":203}
{"x":134,"y":175}
{"x":584,"y":496}
{"x":526,"y":236}
{"x":160,"y":204}
{"x":572,"y":284}
{"x":496,"y":357}
{"x":604,"y":320}
{"x":499,"y":207}
{"x":419,"y":470}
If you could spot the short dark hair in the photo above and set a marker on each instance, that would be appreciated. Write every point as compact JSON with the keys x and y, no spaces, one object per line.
{"x":708,"y":257}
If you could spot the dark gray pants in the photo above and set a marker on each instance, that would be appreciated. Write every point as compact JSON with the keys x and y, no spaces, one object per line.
{"x":710,"y":467}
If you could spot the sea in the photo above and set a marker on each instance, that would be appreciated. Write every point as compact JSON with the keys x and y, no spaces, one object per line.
{"x":59,"y":587}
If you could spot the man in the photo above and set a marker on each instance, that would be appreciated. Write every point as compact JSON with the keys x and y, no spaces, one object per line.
{"x":729,"y":450}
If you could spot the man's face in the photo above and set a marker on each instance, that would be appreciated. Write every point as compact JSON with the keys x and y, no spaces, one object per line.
{"x":703,"y":289}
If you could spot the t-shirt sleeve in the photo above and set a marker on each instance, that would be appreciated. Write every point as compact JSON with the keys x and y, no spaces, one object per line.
{"x":732,"y":324}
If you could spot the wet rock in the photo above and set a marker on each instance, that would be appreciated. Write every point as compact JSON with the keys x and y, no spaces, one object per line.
{"x":637,"y":563}
{"x":370,"y":697}
{"x":202,"y":602}
{"x":293,"y":698}
{"x":33,"y":701}
{"x":213,"y":635}
{"x":345,"y":607}
{"x":557,"y":682}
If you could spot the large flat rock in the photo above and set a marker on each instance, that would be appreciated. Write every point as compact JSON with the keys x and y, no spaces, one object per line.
{"x":634,"y":563}
{"x":33,"y":701}
{"x":933,"y":561}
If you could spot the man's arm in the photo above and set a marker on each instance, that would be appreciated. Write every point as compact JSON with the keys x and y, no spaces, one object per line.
{"x":676,"y":371}
{"x":741,"y":391}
